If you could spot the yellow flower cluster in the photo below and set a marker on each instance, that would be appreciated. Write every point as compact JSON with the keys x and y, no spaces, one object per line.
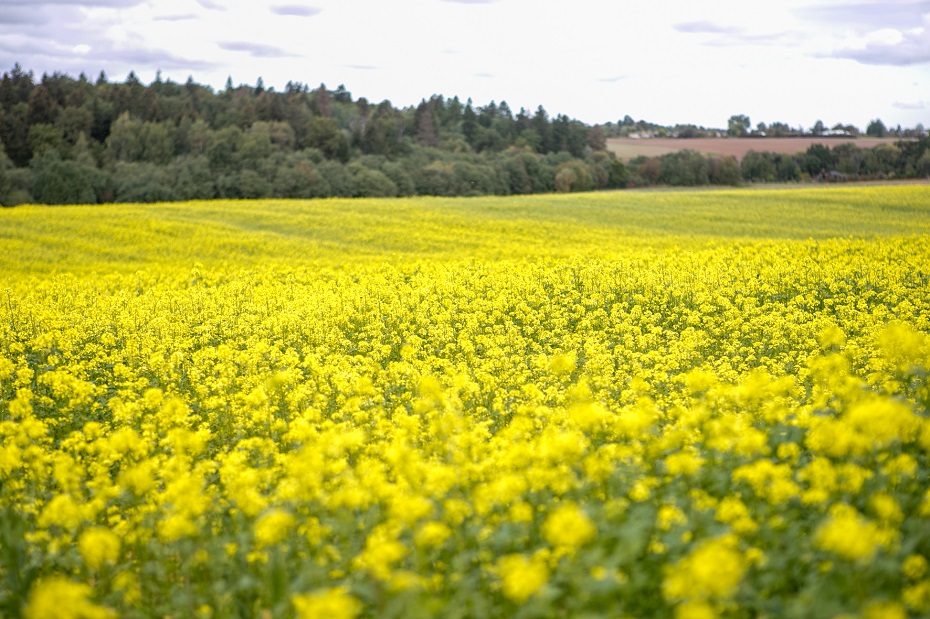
{"x":689,"y":404}
{"x":848,"y":534}
{"x":60,"y":598}
{"x":521,"y":576}
{"x":334,"y":603}
{"x":568,"y":527}
{"x":711,"y":571}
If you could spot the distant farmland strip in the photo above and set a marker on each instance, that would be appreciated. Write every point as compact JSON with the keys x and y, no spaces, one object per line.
{"x":629,"y":148}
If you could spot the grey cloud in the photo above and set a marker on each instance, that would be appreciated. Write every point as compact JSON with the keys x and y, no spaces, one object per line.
{"x":153,"y":58}
{"x":361,"y":67}
{"x":31,"y":47}
{"x":612,"y":79}
{"x":47,"y":57}
{"x":297,"y":10}
{"x":138,"y":58}
{"x":916,"y":105}
{"x":704,"y":27}
{"x":19,"y":16}
{"x":37,"y":17}
{"x":57,"y":25}
{"x":257,"y":50}
{"x":213,"y":6}
{"x":893,"y":55}
{"x":84,"y":3}
{"x":48,"y":42}
{"x":913,"y":49}
{"x":746,"y":38}
{"x":178,"y":17}
{"x":866,"y":16}
{"x":484,"y":75}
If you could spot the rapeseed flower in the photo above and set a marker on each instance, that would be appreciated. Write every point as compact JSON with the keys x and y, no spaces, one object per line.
{"x":521,"y":576}
{"x":99,"y":546}
{"x":847,"y":534}
{"x":914,"y":567}
{"x":712,"y":571}
{"x":432,"y":534}
{"x":332,"y":603}
{"x":59,"y":598}
{"x":568,"y":527}
{"x":272,"y":527}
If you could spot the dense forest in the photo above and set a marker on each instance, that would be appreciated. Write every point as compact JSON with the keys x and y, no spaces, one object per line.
{"x":73,"y":140}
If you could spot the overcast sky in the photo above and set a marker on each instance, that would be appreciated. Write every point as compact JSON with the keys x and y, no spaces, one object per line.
{"x":668,"y":61}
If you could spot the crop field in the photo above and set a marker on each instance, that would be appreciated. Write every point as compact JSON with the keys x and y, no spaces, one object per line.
{"x":633,"y":404}
{"x":629,"y":148}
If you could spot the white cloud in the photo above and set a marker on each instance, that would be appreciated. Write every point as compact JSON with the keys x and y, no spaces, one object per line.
{"x":884,"y":36}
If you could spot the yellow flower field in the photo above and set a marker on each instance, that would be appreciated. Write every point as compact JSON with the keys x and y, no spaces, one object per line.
{"x":689,"y":404}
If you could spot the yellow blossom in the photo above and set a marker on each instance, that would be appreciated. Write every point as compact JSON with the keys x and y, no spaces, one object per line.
{"x":884,"y":610}
{"x":848,"y":534}
{"x":712,"y":570}
{"x":734,"y":512}
{"x":272,"y":527}
{"x":563,"y":363}
{"x":432,"y":534}
{"x":914,"y":567}
{"x":668,"y":516}
{"x":521,"y":576}
{"x":98,"y":546}
{"x":695,"y":609}
{"x":334,"y":603}
{"x":60,"y":598}
{"x":568,"y":527}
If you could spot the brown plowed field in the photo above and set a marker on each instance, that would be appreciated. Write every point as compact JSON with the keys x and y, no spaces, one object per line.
{"x":628,"y":148}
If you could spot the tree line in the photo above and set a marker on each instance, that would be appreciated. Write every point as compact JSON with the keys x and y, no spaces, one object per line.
{"x":740,"y":126}
{"x":73,"y":140}
{"x":844,"y":162}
